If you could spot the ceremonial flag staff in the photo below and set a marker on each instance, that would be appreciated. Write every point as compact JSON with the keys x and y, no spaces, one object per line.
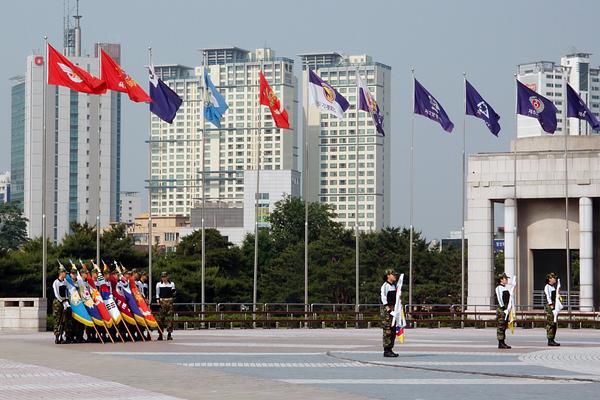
{"x":150,"y":194}
{"x":44,"y":174}
{"x":410,"y":246}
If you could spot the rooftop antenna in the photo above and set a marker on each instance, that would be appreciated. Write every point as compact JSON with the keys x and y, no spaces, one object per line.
{"x":77,"y":31}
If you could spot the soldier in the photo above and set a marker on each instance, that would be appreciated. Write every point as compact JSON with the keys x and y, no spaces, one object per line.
{"x":144,"y":284}
{"x":388,"y":299}
{"x":503,"y":297}
{"x":77,"y":328}
{"x":165,"y":294}
{"x":90,"y":332}
{"x":550,"y":292}
{"x":60,"y":306}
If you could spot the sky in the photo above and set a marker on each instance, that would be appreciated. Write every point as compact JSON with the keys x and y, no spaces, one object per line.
{"x":439,"y":39}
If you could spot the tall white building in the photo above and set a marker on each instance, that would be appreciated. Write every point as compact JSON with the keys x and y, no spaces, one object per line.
{"x":130,"y":206}
{"x":5,"y":187}
{"x":83,"y":131}
{"x":332,"y":142}
{"x":548,"y":79}
{"x":229,"y":151}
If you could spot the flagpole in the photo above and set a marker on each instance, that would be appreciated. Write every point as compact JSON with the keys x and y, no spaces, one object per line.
{"x":257,"y":149}
{"x":515,"y":217}
{"x":203,"y":268}
{"x":357,"y":244}
{"x":150,"y":195}
{"x":566,"y":134}
{"x":44,"y":176}
{"x":98,"y":163}
{"x":462,"y":195}
{"x":305,"y":182}
{"x":410,"y":251}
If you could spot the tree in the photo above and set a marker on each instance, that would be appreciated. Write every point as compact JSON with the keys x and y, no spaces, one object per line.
{"x":115,"y":244}
{"x":13,"y":227}
{"x":80,"y":243}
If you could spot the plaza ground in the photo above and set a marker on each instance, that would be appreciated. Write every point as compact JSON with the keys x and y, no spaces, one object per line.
{"x":304,"y":363}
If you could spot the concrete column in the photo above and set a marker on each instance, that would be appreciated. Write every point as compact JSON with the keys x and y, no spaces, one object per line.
{"x":586,"y":255}
{"x":480,"y":266}
{"x":510,"y":219}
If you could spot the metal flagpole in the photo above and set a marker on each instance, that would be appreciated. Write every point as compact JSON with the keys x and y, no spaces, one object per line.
{"x":357,"y":250}
{"x":410,"y":251}
{"x":566,"y":133}
{"x":98,"y":163}
{"x":515,"y":218}
{"x":203,"y":181}
{"x":257,"y":149}
{"x":305,"y":182}
{"x":462,"y":195}
{"x":44,"y":176}
{"x":150,"y":195}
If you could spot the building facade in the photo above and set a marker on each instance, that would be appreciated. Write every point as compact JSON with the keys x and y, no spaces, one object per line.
{"x":130,"y":206}
{"x":332,"y":153}
{"x":549,"y":79}
{"x":5,"y":187}
{"x":82,"y":134}
{"x":176,"y":150}
{"x":166,"y":231}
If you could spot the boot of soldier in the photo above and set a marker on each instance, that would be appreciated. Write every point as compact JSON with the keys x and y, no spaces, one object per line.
{"x":502,"y":345}
{"x":552,"y":343}
{"x":160,"y":336}
{"x":169,"y":337}
{"x":57,"y":340}
{"x":389,"y":353}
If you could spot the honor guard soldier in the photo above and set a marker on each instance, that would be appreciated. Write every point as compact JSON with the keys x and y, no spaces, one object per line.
{"x":550,"y":294}
{"x":165,"y":294}
{"x":144,"y":285}
{"x":388,"y":299}
{"x":78,"y":328}
{"x":60,"y":307}
{"x":503,"y":297}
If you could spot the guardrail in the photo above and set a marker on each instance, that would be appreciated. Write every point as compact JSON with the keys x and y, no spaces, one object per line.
{"x":322,"y":315}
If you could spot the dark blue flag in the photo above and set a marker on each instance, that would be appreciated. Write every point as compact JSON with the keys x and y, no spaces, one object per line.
{"x":165,"y":102}
{"x":478,"y":107}
{"x":428,"y":106}
{"x":534,"y":105}
{"x":576,"y":108}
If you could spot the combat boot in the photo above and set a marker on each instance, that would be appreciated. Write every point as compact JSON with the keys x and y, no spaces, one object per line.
{"x":503,"y":345}
{"x":389,"y":353}
{"x":169,"y":337}
{"x":160,"y":336}
{"x":552,"y":343}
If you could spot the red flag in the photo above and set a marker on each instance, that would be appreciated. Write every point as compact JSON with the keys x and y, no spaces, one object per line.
{"x":268,"y":98}
{"x":117,"y":79}
{"x":62,"y":72}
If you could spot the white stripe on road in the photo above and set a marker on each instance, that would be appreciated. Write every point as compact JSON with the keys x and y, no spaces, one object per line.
{"x":475,"y":381}
{"x":274,"y":365}
{"x":273,"y":345}
{"x":174,"y":353}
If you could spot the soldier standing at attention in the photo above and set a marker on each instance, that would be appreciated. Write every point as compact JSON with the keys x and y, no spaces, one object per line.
{"x":60,"y":306}
{"x":550,"y":292}
{"x":503,"y":297}
{"x":165,"y":294}
{"x":388,"y":299}
{"x":144,"y":285}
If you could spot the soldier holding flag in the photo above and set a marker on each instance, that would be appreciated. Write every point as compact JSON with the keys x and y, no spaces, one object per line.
{"x":165,"y":294}
{"x":550,"y":293}
{"x":388,"y":299}
{"x":503,"y":297}
{"x":60,"y":307}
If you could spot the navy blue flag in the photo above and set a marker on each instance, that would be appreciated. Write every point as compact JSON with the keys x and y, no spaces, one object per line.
{"x":576,"y":108}
{"x":478,"y":107}
{"x":428,"y":106}
{"x":534,"y":105}
{"x":165,"y":102}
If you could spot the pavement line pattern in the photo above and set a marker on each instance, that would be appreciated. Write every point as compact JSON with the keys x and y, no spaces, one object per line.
{"x":272,"y":345}
{"x":586,"y":361}
{"x":273,"y":365}
{"x":174,"y":353}
{"x":475,"y":381}
{"x":26,"y":381}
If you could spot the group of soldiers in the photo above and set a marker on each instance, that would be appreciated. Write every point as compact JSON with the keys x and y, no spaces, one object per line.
{"x":503,"y":296}
{"x":67,"y":328}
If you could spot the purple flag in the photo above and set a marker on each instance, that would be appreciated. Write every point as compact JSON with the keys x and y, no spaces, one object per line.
{"x":428,"y":106}
{"x":576,"y":108}
{"x":367,"y":103}
{"x":534,"y":105}
{"x":478,"y":107}
{"x":165,"y":102}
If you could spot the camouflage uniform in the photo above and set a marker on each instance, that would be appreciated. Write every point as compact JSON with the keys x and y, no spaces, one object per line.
{"x":550,"y":324}
{"x":389,"y":334}
{"x":165,"y":315}
{"x":500,"y":323}
{"x":59,"y":312}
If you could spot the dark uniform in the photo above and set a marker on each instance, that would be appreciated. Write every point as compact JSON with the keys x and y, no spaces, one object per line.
{"x":60,"y":307}
{"x":165,"y":294}
{"x":76,"y":328}
{"x":550,"y":294}
{"x":388,"y":299}
{"x":503,"y":297}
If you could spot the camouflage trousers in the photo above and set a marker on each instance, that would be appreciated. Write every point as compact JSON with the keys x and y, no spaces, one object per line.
{"x":63,"y":321}
{"x":500,"y":324}
{"x":165,"y":316}
{"x":389,"y":331}
{"x":551,"y":326}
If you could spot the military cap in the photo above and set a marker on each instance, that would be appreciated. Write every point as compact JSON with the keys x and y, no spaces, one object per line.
{"x":550,"y":276}
{"x":501,"y":276}
{"x":387,"y":272}
{"x":84,"y":269}
{"x":74,"y":270}
{"x":144,"y":273}
{"x":164,"y":274}
{"x":134,"y":271}
{"x":61,"y":269}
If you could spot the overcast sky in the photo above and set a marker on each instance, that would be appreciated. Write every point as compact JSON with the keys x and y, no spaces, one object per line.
{"x":440,"y":39}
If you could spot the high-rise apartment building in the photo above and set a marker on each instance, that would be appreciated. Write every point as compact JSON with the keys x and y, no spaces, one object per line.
{"x":548,"y":79}
{"x":5,"y":187}
{"x":176,"y":149}
{"x":130,"y":206}
{"x":332,"y":142}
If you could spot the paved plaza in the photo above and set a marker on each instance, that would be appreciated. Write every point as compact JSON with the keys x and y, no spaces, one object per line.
{"x":304,"y":363}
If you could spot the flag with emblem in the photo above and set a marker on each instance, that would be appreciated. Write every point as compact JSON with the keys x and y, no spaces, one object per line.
{"x":366,"y":102}
{"x":576,"y":108}
{"x":478,"y":107}
{"x":62,"y":72}
{"x":215,"y":105}
{"x":165,"y":102}
{"x":323,"y":96}
{"x":534,"y":105}
{"x":427,"y":106}
{"x":268,"y":98}
{"x":118,"y":80}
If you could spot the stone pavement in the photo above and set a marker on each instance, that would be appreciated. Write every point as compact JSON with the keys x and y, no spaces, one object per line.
{"x":303,"y":363}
